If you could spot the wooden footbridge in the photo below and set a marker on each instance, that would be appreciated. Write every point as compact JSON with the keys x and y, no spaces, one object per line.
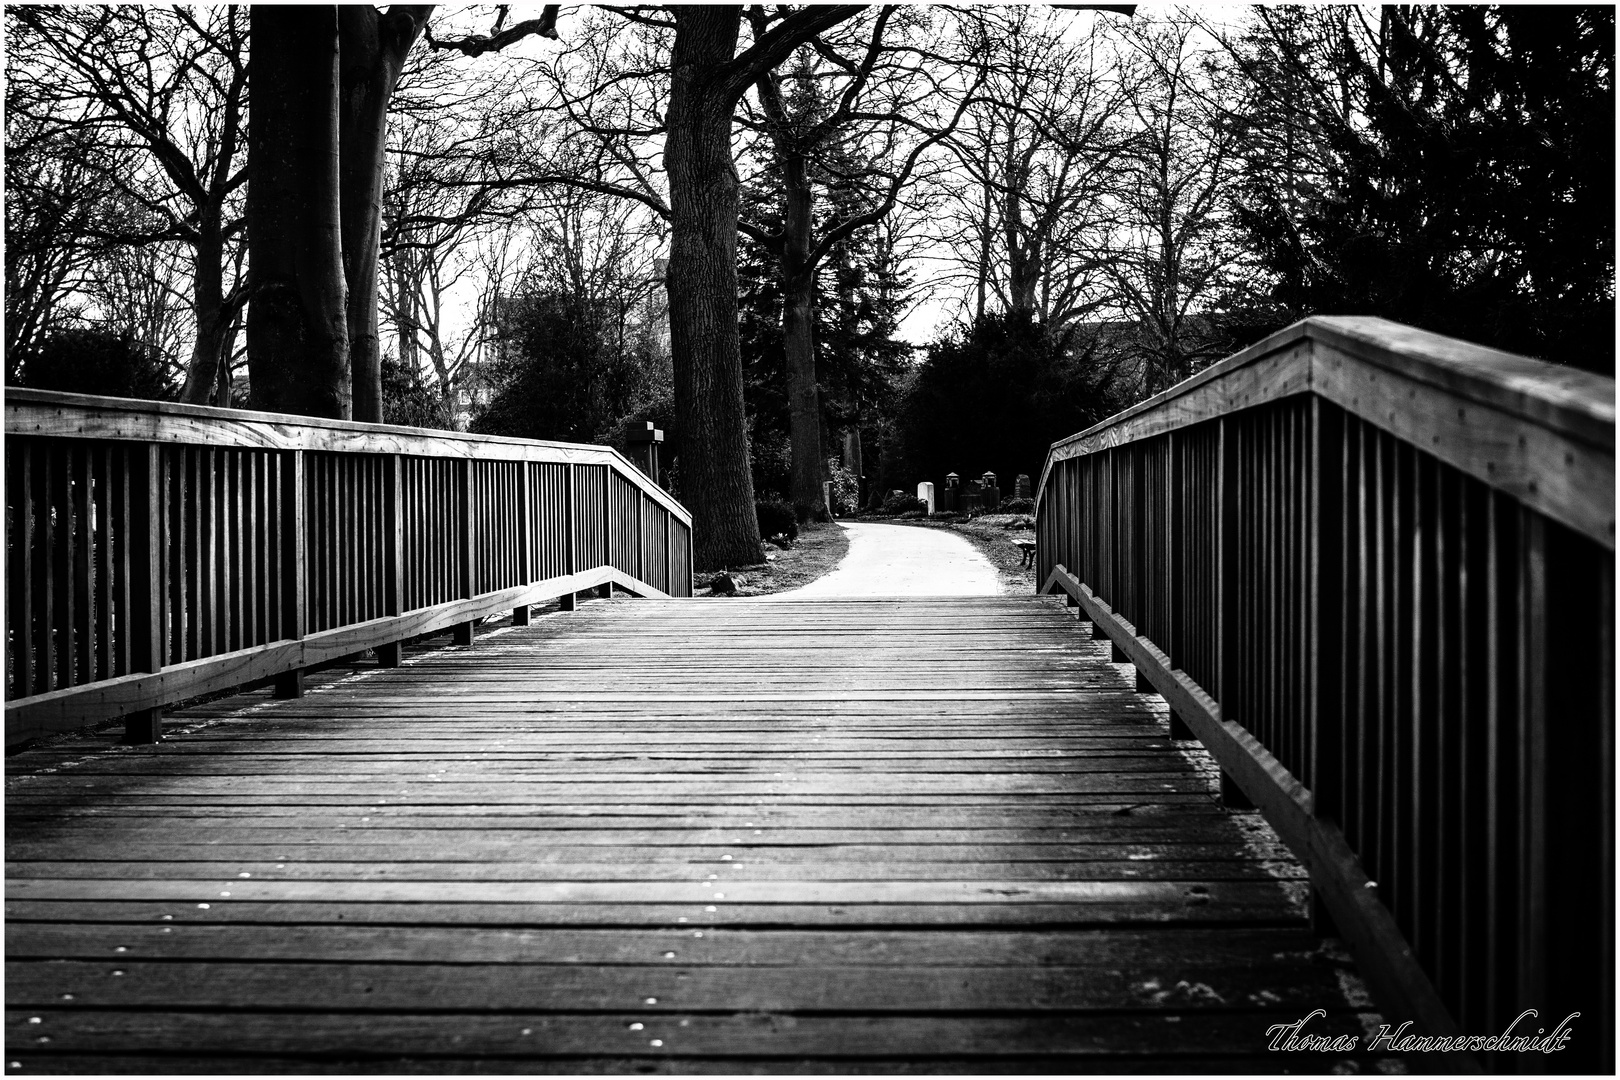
{"x":1357,"y":576}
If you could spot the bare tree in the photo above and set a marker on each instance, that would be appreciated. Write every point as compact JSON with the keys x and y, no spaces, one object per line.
{"x":856,"y":111}
{"x":707,"y":76}
{"x":1177,"y":248}
{"x":1042,"y":147}
{"x":155,"y":99}
{"x":53,"y":192}
{"x":439,"y":220}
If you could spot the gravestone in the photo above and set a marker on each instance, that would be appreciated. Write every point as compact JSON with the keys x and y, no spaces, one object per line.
{"x":989,"y":492}
{"x":925,"y":492}
{"x":1021,"y":489}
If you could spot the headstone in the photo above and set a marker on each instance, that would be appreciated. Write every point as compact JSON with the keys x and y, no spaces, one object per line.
{"x":925,"y":492}
{"x":989,"y":492}
{"x":1021,"y":489}
{"x":950,"y":498}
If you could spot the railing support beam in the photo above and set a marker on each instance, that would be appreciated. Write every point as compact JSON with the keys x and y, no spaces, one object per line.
{"x":148,"y":581}
{"x":294,"y":566}
{"x":388,"y":655}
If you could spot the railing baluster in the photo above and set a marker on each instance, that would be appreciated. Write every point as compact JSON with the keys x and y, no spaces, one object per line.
{"x":146,"y":592}
{"x":20,"y":558}
{"x":83,"y":570}
{"x":526,"y":511}
{"x":293,"y":554}
{"x":1530,"y":754}
{"x":393,"y":552}
{"x":465,"y":526}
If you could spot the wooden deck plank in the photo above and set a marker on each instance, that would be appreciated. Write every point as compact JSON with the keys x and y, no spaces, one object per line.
{"x":876,"y":836}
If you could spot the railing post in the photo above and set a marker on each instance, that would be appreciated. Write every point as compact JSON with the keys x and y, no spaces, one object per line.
{"x":520,"y":614}
{"x":641,"y":539}
{"x":1226,"y":598}
{"x":1226,"y":577}
{"x":606,"y":589}
{"x":1324,"y":585}
{"x":294,"y":566}
{"x":462,"y":632}
{"x":1175,"y":499}
{"x":394,"y":551}
{"x":147,"y":588}
{"x":570,"y":543}
{"x":1531,"y":752}
{"x":669,"y":555}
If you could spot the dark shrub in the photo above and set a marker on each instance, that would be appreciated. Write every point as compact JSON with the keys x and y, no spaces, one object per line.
{"x":900,"y":504}
{"x":776,"y":518}
{"x":98,"y":362}
{"x":1017,"y":506}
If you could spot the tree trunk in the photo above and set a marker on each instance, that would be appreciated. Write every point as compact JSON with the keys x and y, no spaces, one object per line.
{"x":804,"y":397}
{"x":853,"y":458}
{"x":405,"y":315}
{"x":702,"y":282}
{"x":372,"y":49}
{"x":214,"y":327}
{"x":298,"y":340}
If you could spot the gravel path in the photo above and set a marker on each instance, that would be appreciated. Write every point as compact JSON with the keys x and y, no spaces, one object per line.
{"x":893,"y":560}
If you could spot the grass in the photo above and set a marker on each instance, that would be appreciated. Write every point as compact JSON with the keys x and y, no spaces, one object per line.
{"x":819,"y":549}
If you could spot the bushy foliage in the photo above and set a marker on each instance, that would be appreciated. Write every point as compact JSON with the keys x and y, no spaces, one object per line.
{"x":1017,"y":506}
{"x":996,"y":398}
{"x":846,"y":488}
{"x":858,"y":357}
{"x":776,"y":518}
{"x":408,"y":400}
{"x":1473,"y":193}
{"x":565,"y":372}
{"x":97,"y":362}
{"x":901,"y":503}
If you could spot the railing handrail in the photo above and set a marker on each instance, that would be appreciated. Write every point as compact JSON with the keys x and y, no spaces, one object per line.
{"x":66,"y":415}
{"x":1570,"y":413}
{"x":1371,"y":569}
{"x":1562,"y":399}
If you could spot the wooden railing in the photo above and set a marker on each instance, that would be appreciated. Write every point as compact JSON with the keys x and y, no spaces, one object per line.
{"x":158,"y":552}
{"x":1372,"y":570}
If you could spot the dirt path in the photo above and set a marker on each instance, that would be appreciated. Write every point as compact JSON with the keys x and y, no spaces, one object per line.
{"x":893,"y":560}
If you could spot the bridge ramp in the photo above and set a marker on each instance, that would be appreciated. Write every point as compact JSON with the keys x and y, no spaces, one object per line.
{"x":706,"y":835}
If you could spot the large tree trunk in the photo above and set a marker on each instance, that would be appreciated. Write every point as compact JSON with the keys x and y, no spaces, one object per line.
{"x":702,"y":280}
{"x":215,"y":333}
{"x":298,"y":339}
{"x":799,"y":348}
{"x":854,"y":458}
{"x":373,"y":48}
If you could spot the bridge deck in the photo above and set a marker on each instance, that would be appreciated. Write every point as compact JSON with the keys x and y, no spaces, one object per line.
{"x":666,"y":836}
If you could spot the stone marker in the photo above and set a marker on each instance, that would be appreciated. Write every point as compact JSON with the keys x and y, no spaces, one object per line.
{"x":1021,"y":488}
{"x":989,"y":492}
{"x":925,"y":492}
